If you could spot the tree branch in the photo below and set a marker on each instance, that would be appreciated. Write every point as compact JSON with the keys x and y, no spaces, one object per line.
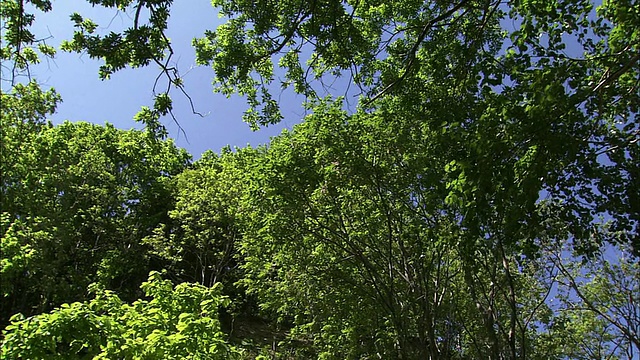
{"x":414,"y":50}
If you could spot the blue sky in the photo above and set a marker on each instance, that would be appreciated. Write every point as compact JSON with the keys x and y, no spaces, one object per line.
{"x":86,"y":97}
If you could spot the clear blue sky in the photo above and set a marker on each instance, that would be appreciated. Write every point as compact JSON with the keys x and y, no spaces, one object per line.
{"x":86,"y":97}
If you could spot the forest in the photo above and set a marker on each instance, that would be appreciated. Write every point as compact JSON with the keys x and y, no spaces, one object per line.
{"x":480,"y":201}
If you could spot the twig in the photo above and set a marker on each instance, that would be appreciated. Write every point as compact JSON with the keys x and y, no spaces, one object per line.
{"x":613,"y":77}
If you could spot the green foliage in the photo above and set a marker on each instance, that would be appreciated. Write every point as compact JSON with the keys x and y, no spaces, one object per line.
{"x":349,"y":237}
{"x":17,"y":254}
{"x":79,"y":198}
{"x":595,"y":303}
{"x":200,"y":244}
{"x":137,"y":46}
{"x":433,"y":221}
{"x":174,"y":323}
{"x":22,"y":116}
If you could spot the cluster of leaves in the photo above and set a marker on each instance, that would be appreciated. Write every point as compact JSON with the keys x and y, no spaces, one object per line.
{"x":19,"y":47}
{"x":201,"y":240}
{"x":176,"y":323}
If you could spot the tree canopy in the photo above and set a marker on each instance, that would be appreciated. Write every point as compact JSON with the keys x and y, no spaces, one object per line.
{"x":481,"y":200}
